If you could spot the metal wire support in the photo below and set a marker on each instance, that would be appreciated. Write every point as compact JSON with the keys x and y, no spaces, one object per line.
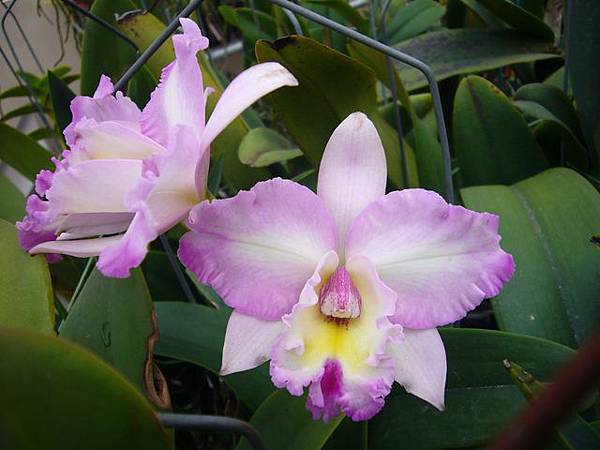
{"x":295,"y":22}
{"x":213,"y":423}
{"x":400,"y":57}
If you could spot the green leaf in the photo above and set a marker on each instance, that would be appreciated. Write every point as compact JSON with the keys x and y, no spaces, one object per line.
{"x":262,"y":147}
{"x":583,"y":45}
{"x":18,"y":112}
{"x":143,"y":29}
{"x":331,"y":86}
{"x":195,"y":333}
{"x":12,"y":201}
{"x":414,"y":18}
{"x":284,"y":423}
{"x":518,"y":18}
{"x":26,"y":299}
{"x":546,"y":223}
{"x":22,"y":153}
{"x":480,"y":397}
{"x":61,"y":97}
{"x":463,"y":51}
{"x":58,"y":396}
{"x":113,"y":318}
{"x":103,"y":51}
{"x":244,"y":19}
{"x":486,"y":151}
{"x":160,"y":276}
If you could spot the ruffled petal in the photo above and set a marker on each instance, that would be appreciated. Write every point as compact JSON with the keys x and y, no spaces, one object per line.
{"x":353,"y":170}
{"x":36,"y":227}
{"x":248,"y":342}
{"x":245,"y":89}
{"x":258,"y":248}
{"x":101,"y":107}
{"x":179,"y":98}
{"x":346,"y":364}
{"x":420,"y":365}
{"x":110,"y":140}
{"x":163,"y":196}
{"x":442,"y":260}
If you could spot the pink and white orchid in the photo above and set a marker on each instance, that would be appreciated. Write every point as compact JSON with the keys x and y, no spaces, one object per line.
{"x":130,"y":175}
{"x":343,"y":290}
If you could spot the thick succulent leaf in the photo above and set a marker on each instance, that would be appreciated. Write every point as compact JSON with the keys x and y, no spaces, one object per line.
{"x":26,"y":298}
{"x":22,"y":153}
{"x":331,"y":86}
{"x":115,"y":319}
{"x":143,"y":29}
{"x":284,"y":423}
{"x":517,"y":17}
{"x":414,"y":18}
{"x":58,"y":396}
{"x":195,"y":333}
{"x":546,"y":222}
{"x":462,"y":51}
{"x":104,"y":52}
{"x":12,"y":201}
{"x":487,"y":153}
{"x":262,"y":147}
{"x":61,"y":96}
{"x":583,"y":45}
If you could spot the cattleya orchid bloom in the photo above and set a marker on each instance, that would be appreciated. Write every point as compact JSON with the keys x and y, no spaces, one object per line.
{"x":130,"y":175}
{"x":343,"y":290}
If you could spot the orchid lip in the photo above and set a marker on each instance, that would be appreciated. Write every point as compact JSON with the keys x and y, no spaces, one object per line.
{"x":339,"y":298}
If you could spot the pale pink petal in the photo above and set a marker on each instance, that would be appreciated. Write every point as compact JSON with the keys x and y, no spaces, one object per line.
{"x":93,"y":186}
{"x":81,"y":248}
{"x":85,"y":225}
{"x":353,"y":170}
{"x":110,"y":140}
{"x":179,"y":98}
{"x":420,"y":365}
{"x":248,"y":342}
{"x":245,"y":89}
{"x":163,"y":196}
{"x":102,"y":107}
{"x":347,"y":365}
{"x":258,"y":248}
{"x":37,"y":226}
{"x":442,"y":260}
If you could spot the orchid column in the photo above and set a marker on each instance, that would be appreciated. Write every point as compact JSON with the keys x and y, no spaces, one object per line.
{"x":342,"y":290}
{"x":130,"y":175}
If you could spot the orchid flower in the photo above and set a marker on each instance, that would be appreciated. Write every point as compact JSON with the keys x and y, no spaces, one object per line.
{"x":343,"y":290}
{"x":130,"y":175}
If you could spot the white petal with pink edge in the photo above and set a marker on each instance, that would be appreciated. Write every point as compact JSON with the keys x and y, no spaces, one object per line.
{"x":258,"y":248}
{"x":353,"y":170}
{"x":248,"y":342}
{"x":420,"y":365}
{"x":442,"y":260}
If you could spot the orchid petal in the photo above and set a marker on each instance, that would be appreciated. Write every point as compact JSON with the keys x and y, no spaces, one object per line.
{"x":245,"y":89}
{"x":85,"y":225}
{"x":248,"y":342}
{"x":258,"y":248}
{"x":420,"y":365}
{"x":82,"y":248}
{"x":353,"y":170}
{"x":442,"y":260}
{"x":110,"y":140}
{"x":179,"y":98}
{"x":96,"y":186}
{"x":103,"y":106}
{"x":347,"y":365}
